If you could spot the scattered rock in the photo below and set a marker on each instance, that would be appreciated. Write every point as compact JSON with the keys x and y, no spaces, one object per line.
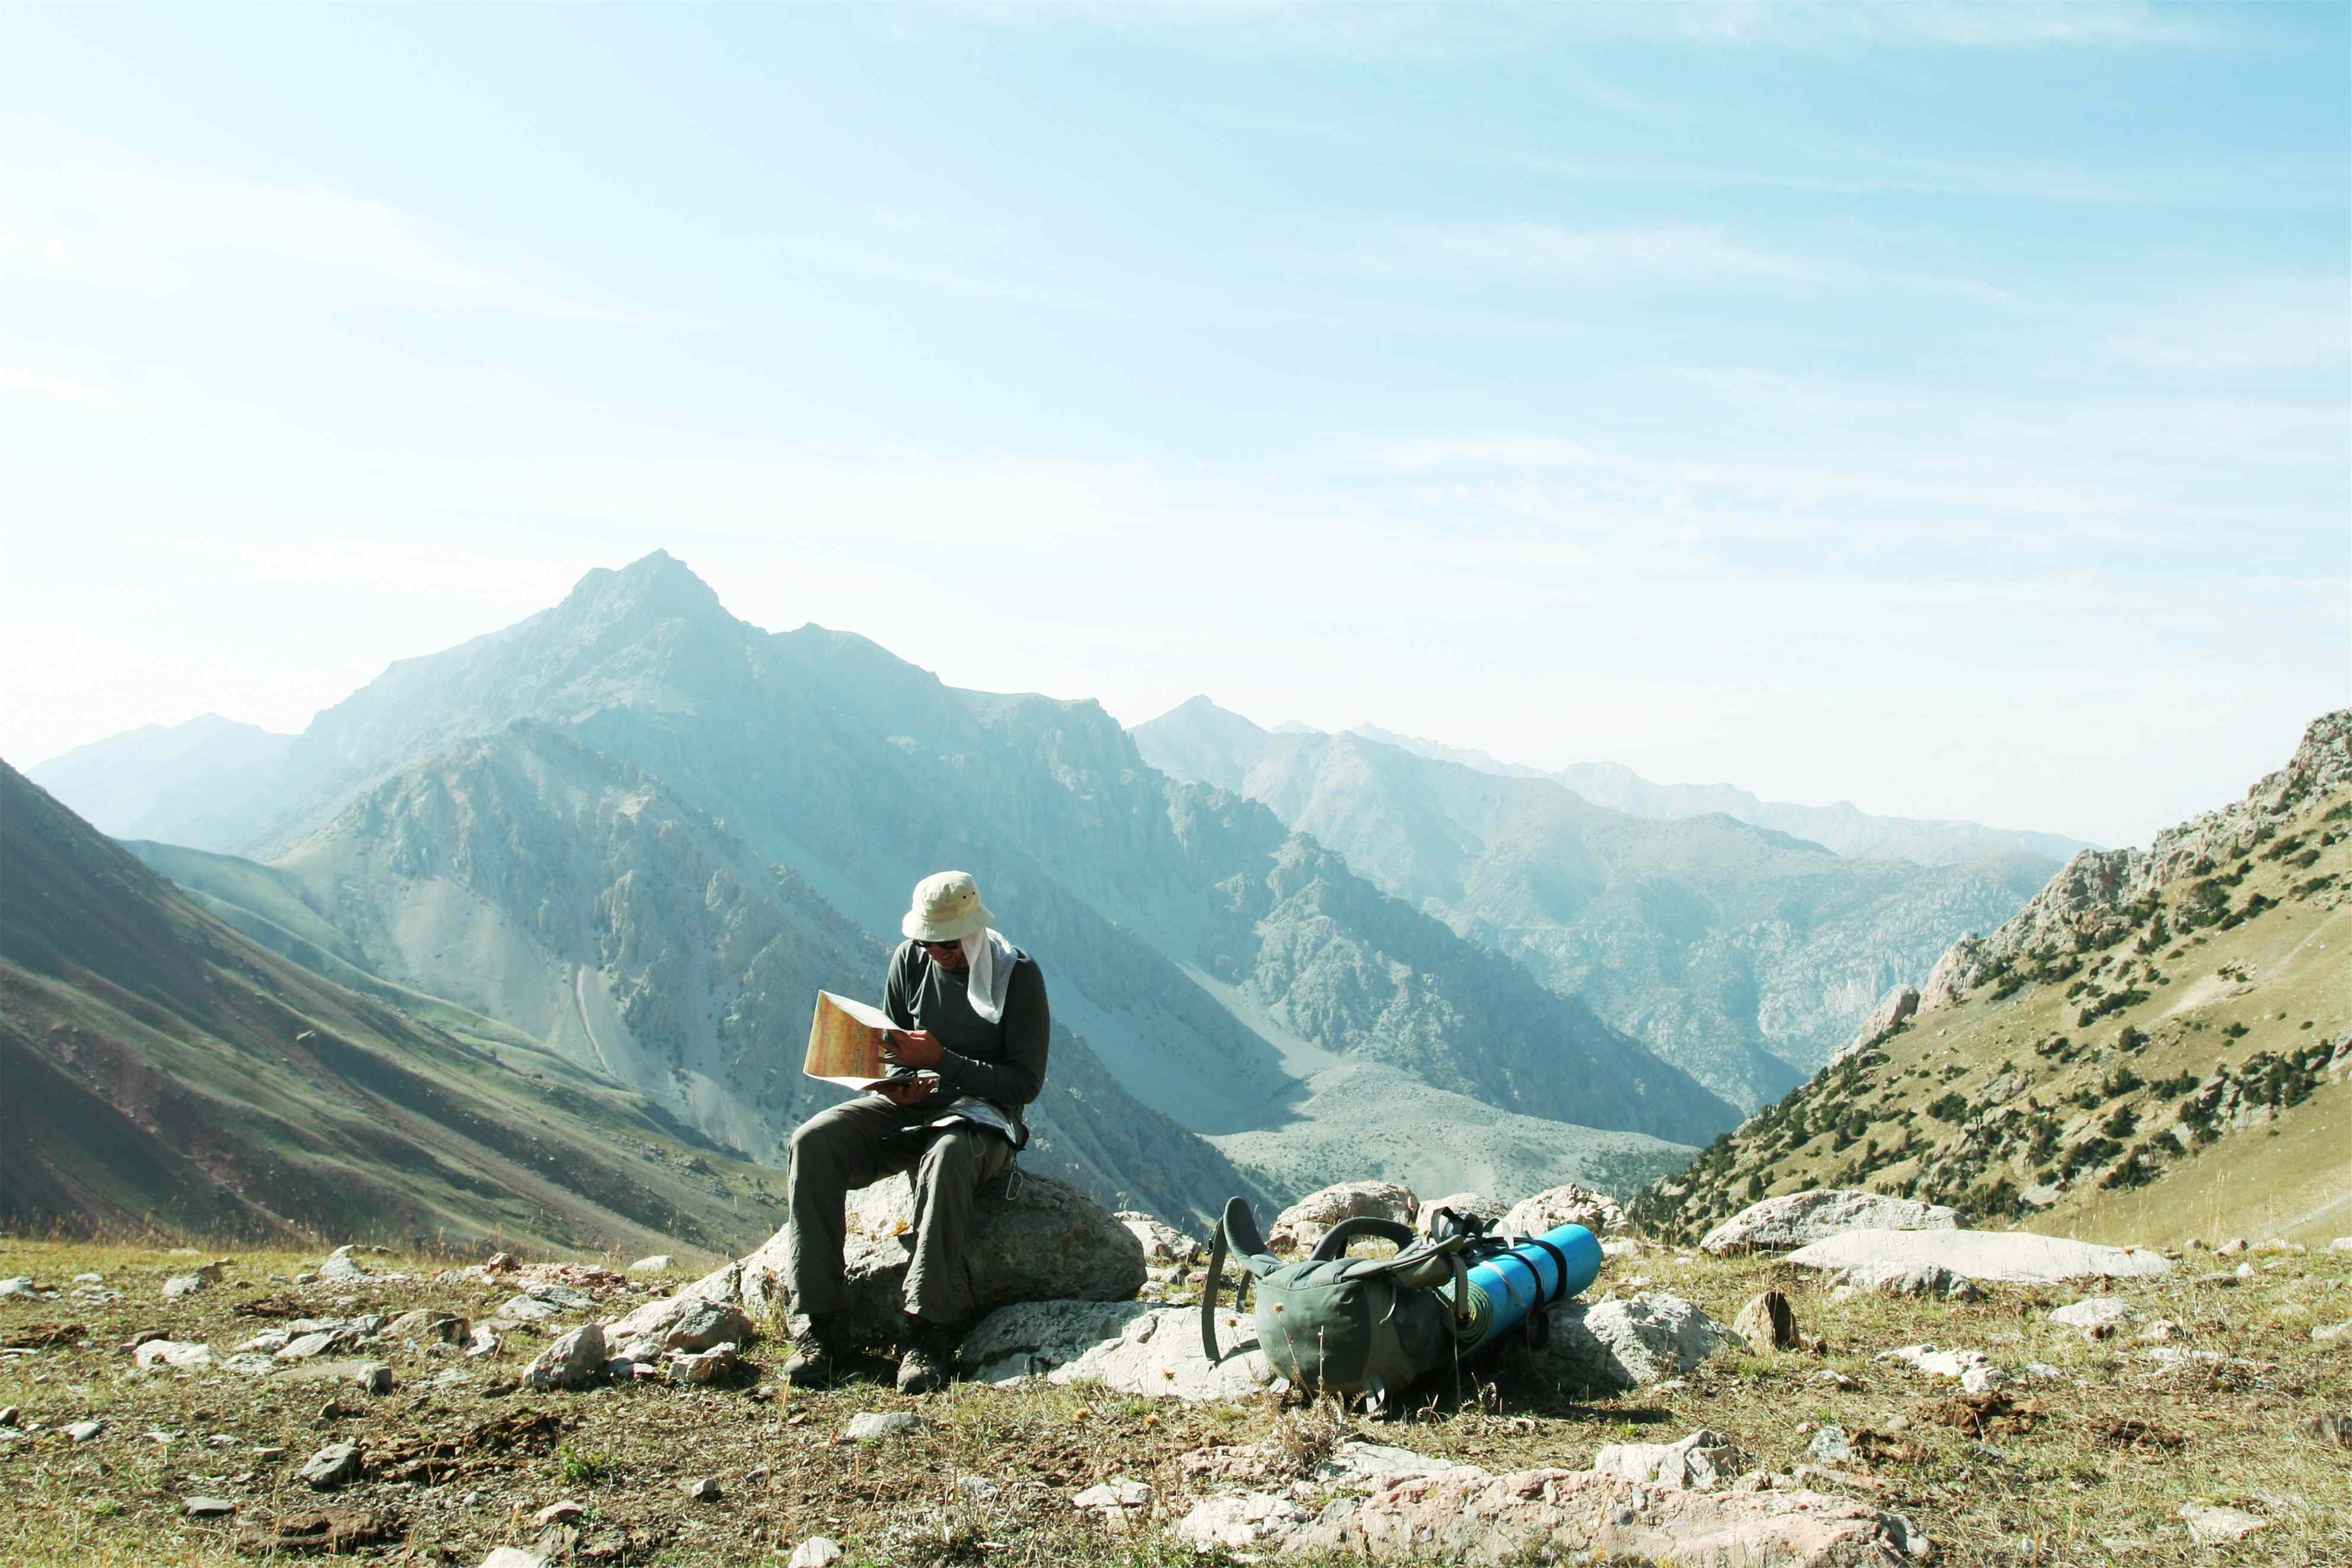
{"x":2231,"y":1248}
{"x":1700,"y":1459}
{"x":2111,"y":1310}
{"x":1359,"y":1463}
{"x":572,"y":1361}
{"x":1983,"y":1379}
{"x":514,"y":1557}
{"x":1627,"y":1345}
{"x":680,"y":1323}
{"x":977,"y":1487}
{"x":1129,"y":1346}
{"x":1768,"y":1322}
{"x":2209,"y":1522}
{"x":816,"y":1552}
{"x":562,"y":1512}
{"x":1567,"y":1203}
{"x":335,"y":1465}
{"x":1033,"y":1338}
{"x":716,"y":1364}
{"x":1235,"y":1521}
{"x":332,"y":1531}
{"x":249,"y":1365}
{"x":302,"y":1347}
{"x":207,"y":1508}
{"x":703,"y":1490}
{"x":1299,"y":1228}
{"x":2330,"y":1428}
{"x":1120,"y":1493}
{"x":181,"y":1285}
{"x":868,"y":1424}
{"x":1621,"y":1246}
{"x":2013,"y":1256}
{"x":1466,"y":1515}
{"x":2341,"y":1244}
{"x":83,"y":1431}
{"x":1163,"y":1244}
{"x":183,"y":1355}
{"x":1833,"y":1379}
{"x":1831,"y":1446}
{"x":342,"y":1266}
{"x":375,"y":1376}
{"x":20,"y":1288}
{"x":529,"y":1309}
{"x":485,"y":1341}
{"x":1934,"y":1361}
{"x":660,"y":1263}
{"x":2162,"y":1329}
{"x":1797,"y":1219}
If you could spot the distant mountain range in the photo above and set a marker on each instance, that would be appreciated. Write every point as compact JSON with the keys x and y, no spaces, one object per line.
{"x":641,"y":832}
{"x":161,"y":1069}
{"x":2158,"y":1046}
{"x":1739,"y":953}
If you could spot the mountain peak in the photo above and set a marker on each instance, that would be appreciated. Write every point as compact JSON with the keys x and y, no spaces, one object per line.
{"x":657,"y":587}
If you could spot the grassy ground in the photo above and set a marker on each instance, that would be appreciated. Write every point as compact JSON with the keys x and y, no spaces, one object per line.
{"x":2076,"y":1487}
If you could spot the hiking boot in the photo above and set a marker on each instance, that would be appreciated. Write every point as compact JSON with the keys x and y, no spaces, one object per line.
{"x":929,"y":1362}
{"x":822,"y":1357}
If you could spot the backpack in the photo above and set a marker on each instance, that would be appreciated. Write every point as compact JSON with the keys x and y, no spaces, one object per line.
{"x":1369,"y":1328}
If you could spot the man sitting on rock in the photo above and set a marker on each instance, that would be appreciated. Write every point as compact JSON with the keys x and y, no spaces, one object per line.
{"x":971,"y":1011}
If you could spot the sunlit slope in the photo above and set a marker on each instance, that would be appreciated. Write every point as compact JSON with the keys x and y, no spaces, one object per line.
{"x":164,"y":1070}
{"x":2176,"y":1069}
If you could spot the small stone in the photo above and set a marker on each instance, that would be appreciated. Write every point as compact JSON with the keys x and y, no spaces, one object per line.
{"x":1833,"y":1379}
{"x":1768,"y":1322}
{"x":1117,"y":1494}
{"x":703,"y":1490}
{"x":19,"y":1287}
{"x":2231,"y":1249}
{"x":332,"y":1466}
{"x":2325,"y":1332}
{"x":1982,"y":1379}
{"x":184,"y":1356}
{"x":2208,"y":1523}
{"x":658,"y":1263}
{"x":572,"y":1361}
{"x":816,"y":1552}
{"x":2098,"y":1309}
{"x":88,"y":1279}
{"x":207,"y":1506}
{"x":8,"y":1413}
{"x":342,"y":1266}
{"x":303,"y":1347}
{"x":514,"y":1557}
{"x":2161,"y":1329}
{"x":375,"y":1376}
{"x":977,"y":1487}
{"x":1831,"y":1446}
{"x":83,"y":1431}
{"x":872,"y":1423}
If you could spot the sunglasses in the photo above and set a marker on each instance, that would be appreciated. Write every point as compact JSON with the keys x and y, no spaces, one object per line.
{"x":937,"y":946}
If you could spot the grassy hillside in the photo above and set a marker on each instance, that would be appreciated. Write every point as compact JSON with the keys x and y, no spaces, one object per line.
{"x":2183,"y":1074}
{"x":165,"y":1071}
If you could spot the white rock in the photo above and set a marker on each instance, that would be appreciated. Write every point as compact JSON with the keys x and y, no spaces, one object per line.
{"x":268,"y":1341}
{"x":83,"y":1431}
{"x":1121,"y":1492}
{"x":2014,"y":1256}
{"x":526,"y":1309}
{"x":1935,"y":1362}
{"x":342,"y":1266}
{"x":2341,"y":1244}
{"x":1567,"y":1203}
{"x":1700,"y":1459}
{"x":868,"y":1424}
{"x":1477,"y":1205}
{"x":1795,"y":1219}
{"x":658,"y":1264}
{"x":332,"y":1466}
{"x":184,"y":1356}
{"x":207,"y":1508}
{"x":2095,"y":1311}
{"x":1357,"y":1463}
{"x":1234,"y":1522}
{"x":302,"y":1347}
{"x":816,"y":1552}
{"x":1621,"y":1246}
{"x":1304,"y":1223}
{"x":249,"y":1365}
{"x":1129,"y":1346}
{"x":1914,"y":1278}
{"x":572,"y":1361}
{"x":514,"y":1557}
{"x":2328,"y":1332}
{"x":1628,"y":1343}
{"x":1982,"y":1379}
{"x":2208,"y":1523}
{"x":1163,"y":1244}
{"x":19,"y":1289}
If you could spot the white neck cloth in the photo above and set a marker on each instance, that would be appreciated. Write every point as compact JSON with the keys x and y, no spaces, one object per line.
{"x":991,"y":959}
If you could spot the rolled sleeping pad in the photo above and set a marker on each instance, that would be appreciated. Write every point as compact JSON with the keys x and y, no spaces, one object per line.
{"x":1506,"y":1287}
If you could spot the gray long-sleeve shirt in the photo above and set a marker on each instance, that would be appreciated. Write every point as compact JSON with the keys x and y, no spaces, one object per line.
{"x":1005,"y":1061}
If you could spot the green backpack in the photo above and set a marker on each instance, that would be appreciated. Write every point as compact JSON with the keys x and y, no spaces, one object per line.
{"x":1363,"y":1328}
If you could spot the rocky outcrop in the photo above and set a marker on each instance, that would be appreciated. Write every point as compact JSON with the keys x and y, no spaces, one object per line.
{"x":1795,"y":1219}
{"x":1700,"y":1459}
{"x":1129,"y":1346}
{"x":1894,"y":1010}
{"x":1468,"y":1204}
{"x":1568,"y":1204}
{"x":1299,"y":1228}
{"x":1626,"y":1345}
{"x":2014,"y":1256}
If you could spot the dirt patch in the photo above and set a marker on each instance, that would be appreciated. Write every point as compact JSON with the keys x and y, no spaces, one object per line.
{"x":319,"y":1532}
{"x":1990,"y":1415}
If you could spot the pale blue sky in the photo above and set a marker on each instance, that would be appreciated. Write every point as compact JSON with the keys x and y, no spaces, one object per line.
{"x":1942,"y":408}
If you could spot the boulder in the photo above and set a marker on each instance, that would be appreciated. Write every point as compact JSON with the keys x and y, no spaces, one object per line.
{"x":572,"y":1361}
{"x":1299,"y":1228}
{"x":1768,"y":1322}
{"x":1701,"y":1459}
{"x":1566,"y":1205}
{"x":1467,"y":1515}
{"x":679,"y":1323}
{"x":2013,"y":1256}
{"x":1163,"y":1244}
{"x":1477,"y":1204}
{"x":1626,"y":1344}
{"x":1794,"y":1219}
{"x":336,"y":1464}
{"x":1047,"y":1242}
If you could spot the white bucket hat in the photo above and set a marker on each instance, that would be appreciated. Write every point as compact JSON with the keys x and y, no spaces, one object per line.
{"x":946,"y":907}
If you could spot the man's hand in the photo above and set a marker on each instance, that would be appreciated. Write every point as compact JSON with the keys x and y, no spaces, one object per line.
{"x":907,"y":1092}
{"x":909,"y":1048}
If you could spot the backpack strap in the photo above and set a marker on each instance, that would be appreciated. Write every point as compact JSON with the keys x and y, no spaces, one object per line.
{"x":1335,"y":1240}
{"x":1237,"y":1227}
